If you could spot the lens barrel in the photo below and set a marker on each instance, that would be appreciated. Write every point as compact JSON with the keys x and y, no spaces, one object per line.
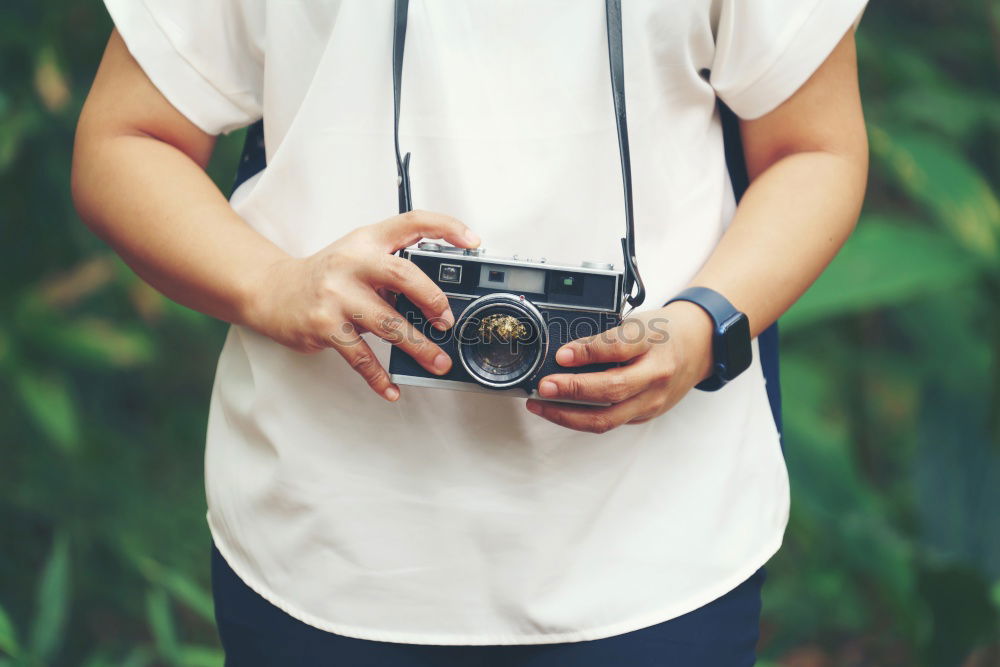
{"x":502,"y":340}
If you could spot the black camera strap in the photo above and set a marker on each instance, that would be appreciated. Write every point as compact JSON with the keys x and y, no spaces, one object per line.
{"x":398,"y":43}
{"x":633,"y":282}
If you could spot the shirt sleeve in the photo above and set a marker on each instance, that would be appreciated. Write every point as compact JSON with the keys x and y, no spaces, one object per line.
{"x":766,"y":49}
{"x":206,"y":57}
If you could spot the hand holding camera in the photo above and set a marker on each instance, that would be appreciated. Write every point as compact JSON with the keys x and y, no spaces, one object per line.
{"x":661,"y":354}
{"x":326,"y":299}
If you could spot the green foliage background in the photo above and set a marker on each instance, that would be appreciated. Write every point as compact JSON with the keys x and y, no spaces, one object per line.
{"x":891,"y":371}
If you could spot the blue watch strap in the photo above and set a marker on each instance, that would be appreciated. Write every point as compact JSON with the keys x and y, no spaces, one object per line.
{"x":720,"y":310}
{"x":713,"y":303}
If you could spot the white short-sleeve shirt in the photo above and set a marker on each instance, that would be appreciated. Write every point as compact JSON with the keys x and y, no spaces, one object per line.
{"x":453,"y":517}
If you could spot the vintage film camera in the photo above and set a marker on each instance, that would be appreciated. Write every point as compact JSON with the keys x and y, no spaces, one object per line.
{"x":511,"y":316}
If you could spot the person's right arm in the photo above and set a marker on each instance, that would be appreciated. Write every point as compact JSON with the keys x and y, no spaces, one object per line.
{"x":139,"y":183}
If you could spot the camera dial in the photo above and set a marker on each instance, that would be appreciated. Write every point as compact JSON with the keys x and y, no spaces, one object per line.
{"x":588,"y":264}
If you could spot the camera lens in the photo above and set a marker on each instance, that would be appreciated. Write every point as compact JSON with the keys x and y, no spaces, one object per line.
{"x":501,"y":340}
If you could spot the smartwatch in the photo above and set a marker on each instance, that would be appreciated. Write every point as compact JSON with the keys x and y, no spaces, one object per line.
{"x":731,"y":351}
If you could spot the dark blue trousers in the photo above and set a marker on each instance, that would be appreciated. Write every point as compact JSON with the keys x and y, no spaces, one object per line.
{"x":255,"y":633}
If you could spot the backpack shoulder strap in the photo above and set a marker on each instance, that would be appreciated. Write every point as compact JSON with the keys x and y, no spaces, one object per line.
{"x":767,"y":341}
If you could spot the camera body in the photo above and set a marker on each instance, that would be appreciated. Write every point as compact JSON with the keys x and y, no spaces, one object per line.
{"x":511,"y":316}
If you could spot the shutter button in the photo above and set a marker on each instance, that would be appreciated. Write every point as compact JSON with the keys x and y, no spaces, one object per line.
{"x":607,"y":266}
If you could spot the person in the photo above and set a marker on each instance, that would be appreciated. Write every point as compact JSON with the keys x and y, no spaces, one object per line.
{"x":359,"y":522}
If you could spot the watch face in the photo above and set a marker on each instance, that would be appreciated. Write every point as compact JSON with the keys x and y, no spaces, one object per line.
{"x":736,"y":345}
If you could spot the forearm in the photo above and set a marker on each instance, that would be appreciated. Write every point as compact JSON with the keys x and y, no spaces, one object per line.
{"x":139,"y":183}
{"x":789,"y":225}
{"x":791,"y":222}
{"x":156,"y":207}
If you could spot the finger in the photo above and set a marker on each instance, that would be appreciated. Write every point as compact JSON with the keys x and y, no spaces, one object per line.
{"x":408,"y":228}
{"x":588,"y":419}
{"x":387,"y":324}
{"x":622,"y":343}
{"x":610,"y":386}
{"x":359,"y":355}
{"x":387,"y":295}
{"x":405,"y":277}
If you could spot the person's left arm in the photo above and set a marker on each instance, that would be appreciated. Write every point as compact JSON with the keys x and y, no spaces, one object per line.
{"x":808,"y":166}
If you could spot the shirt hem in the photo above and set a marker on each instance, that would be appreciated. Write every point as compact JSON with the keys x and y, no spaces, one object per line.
{"x":602,"y":632}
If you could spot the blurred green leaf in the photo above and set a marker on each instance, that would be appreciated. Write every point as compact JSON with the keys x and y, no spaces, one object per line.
{"x":6,"y":351}
{"x":180,"y":586}
{"x":140,"y":656}
{"x":101,"y":658}
{"x":97,"y":342}
{"x":849,"y":518}
{"x":161,"y":623}
{"x":13,"y":129}
{"x":53,"y":602}
{"x":944,"y":181}
{"x":49,"y":403}
{"x":946,"y":332}
{"x":50,"y":80}
{"x":200,"y":656}
{"x":963,"y":614}
{"x":885,"y":261}
{"x":954,"y":112}
{"x":957,"y":478}
{"x":8,"y":635}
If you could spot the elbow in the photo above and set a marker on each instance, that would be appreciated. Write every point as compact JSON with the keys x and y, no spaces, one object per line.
{"x":84,"y":183}
{"x":851,"y":172}
{"x":847,"y":172}
{"x":78,"y":188}
{"x":858,"y":162}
